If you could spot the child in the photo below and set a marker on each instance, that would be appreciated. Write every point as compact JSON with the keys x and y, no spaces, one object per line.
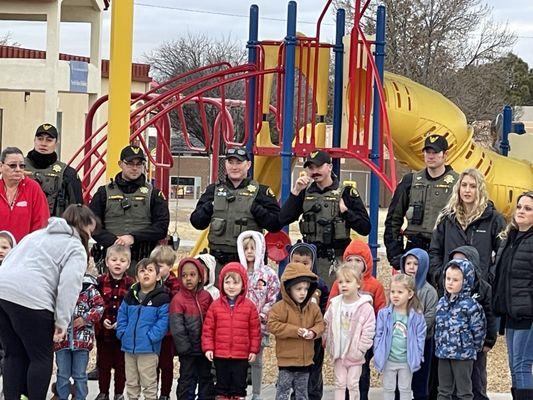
{"x":482,"y":293}
{"x":187,"y":312}
{"x":350,"y":327}
{"x":400,"y":337}
{"x":459,"y":331}
{"x":142,"y":323}
{"x":305,"y":254}
{"x":358,"y":255}
{"x":7,"y":242}
{"x":415,"y":263}
{"x":263,"y":289}
{"x":295,"y":321}
{"x":112,"y":286}
{"x":72,"y":353}
{"x":165,"y":257}
{"x":231,"y":334}
{"x":210,"y":264}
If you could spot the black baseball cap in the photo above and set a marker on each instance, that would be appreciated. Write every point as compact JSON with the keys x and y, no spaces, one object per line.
{"x":240,"y":153}
{"x":129,"y":153}
{"x":47,"y":129}
{"x":318,"y":158}
{"x":436,"y":142}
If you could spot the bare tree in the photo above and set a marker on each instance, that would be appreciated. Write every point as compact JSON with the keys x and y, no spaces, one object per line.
{"x":6,"y":39}
{"x":189,"y":53}
{"x":437,"y":42}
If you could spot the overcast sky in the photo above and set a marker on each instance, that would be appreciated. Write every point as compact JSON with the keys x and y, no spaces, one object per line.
{"x":161,"y":20}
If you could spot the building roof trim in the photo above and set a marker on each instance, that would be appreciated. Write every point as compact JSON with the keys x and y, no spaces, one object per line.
{"x":139,"y":72}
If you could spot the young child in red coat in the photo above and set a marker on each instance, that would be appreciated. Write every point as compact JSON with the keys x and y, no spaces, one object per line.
{"x":231,"y":335}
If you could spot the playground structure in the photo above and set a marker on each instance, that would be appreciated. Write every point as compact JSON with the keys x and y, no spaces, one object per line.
{"x":284,"y":106}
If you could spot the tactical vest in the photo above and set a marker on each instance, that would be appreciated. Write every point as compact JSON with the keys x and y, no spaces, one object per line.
{"x":321,"y":220}
{"x":51,"y":181}
{"x":231,"y":216}
{"x":125,"y":213}
{"x":427,"y":199}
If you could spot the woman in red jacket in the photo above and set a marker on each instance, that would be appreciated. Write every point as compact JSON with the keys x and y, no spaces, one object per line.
{"x":23,"y":205}
{"x":231,"y":334}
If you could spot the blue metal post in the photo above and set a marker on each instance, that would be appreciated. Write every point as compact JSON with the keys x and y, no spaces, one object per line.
{"x":379,"y":56}
{"x":288,"y":110}
{"x":507,"y":127}
{"x":337,"y":91}
{"x":253,"y":34}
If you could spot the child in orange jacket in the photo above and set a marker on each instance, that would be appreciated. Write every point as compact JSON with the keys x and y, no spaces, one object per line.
{"x":358,"y":254}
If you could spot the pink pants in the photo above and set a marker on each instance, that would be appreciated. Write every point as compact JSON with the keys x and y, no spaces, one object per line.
{"x":346,"y":377}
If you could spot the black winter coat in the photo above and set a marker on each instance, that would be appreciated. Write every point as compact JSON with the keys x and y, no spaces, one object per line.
{"x":513,"y":284}
{"x":481,"y":234}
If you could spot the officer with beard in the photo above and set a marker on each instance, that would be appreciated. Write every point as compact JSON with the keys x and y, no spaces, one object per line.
{"x":329,"y":211}
{"x":59,"y":182}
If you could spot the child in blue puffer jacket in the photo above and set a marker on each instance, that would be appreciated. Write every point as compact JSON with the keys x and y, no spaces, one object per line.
{"x":460,"y":328}
{"x":142,"y":323}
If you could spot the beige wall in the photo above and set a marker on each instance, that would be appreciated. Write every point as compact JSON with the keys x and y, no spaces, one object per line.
{"x":20,"y":118}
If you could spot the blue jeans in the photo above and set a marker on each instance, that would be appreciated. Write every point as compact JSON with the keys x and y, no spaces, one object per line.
{"x":520,"y":351}
{"x":72,"y":363}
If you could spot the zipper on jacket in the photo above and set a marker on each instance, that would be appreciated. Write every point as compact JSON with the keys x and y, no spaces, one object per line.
{"x":135,"y":328}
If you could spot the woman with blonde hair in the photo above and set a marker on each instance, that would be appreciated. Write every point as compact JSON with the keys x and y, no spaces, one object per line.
{"x":513,"y":295}
{"x":468,"y":219}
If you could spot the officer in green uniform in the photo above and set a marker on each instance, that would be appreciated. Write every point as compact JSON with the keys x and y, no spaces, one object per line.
{"x":132,"y":211}
{"x":59,"y":182}
{"x":233,"y":205}
{"x":419,"y":198}
{"x":329,"y":211}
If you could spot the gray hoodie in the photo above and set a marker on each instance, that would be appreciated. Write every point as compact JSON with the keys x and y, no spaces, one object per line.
{"x":45,"y":271}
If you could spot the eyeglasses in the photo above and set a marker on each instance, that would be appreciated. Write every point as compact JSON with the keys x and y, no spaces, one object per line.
{"x":14,"y":166}
{"x":240,"y":152}
{"x":134,"y":164}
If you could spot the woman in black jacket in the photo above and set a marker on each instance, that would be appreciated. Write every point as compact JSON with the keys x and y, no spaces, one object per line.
{"x":469,"y":219}
{"x":513,"y":295}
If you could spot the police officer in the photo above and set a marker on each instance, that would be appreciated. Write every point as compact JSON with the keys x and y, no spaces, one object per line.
{"x":328,"y":212}
{"x":59,"y":182}
{"x":419,"y":197}
{"x":233,"y":205}
{"x":132,"y":211}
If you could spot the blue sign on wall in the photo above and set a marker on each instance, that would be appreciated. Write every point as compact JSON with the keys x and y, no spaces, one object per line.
{"x":79,"y":71}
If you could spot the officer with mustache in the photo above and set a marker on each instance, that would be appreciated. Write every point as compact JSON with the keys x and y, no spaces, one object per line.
{"x":329,"y":211}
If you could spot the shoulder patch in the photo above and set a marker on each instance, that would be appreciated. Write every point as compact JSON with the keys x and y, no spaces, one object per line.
{"x":160,"y":194}
{"x":270,"y":193}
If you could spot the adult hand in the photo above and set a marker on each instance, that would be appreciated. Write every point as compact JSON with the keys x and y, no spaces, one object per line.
{"x":125,"y":240}
{"x":309,"y":335}
{"x":108,"y":325}
{"x":78,"y":322}
{"x":251,"y":357}
{"x":302,"y":332}
{"x":59,"y":334}
{"x":301,"y":183}
{"x":342,"y":206}
{"x":209,"y":355}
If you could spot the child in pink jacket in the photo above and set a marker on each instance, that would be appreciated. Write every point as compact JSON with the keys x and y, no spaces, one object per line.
{"x":350,"y":328}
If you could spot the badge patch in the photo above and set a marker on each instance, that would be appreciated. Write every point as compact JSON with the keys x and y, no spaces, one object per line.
{"x":56,"y":168}
{"x":251,"y":188}
{"x":449,"y":179}
{"x":144,"y":190}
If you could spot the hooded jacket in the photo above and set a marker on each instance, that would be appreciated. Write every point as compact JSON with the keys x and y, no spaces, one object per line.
{"x":424,"y":291}
{"x":263,"y":282}
{"x":286,"y":317}
{"x":45,"y":271}
{"x":416,"y":337}
{"x":369,"y":284}
{"x":210,"y":263}
{"x":187,"y":313}
{"x":481,"y":234}
{"x":321,"y":294}
{"x":460,"y":324}
{"x":141,"y":327}
{"x":90,"y":307}
{"x":361,"y":331}
{"x":232,"y":332}
{"x":481,"y":292}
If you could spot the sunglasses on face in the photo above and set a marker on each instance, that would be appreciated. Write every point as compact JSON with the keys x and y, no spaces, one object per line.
{"x":14,"y":166}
